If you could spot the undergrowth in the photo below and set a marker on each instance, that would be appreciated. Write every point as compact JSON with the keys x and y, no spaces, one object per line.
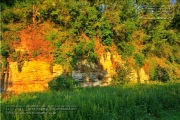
{"x":140,"y":101}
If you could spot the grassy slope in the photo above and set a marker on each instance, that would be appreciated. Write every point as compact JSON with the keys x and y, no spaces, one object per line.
{"x":153,"y":101}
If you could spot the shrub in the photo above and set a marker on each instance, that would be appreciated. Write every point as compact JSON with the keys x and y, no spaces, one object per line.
{"x":125,"y":49}
{"x":107,"y":41}
{"x":177,"y":59}
{"x":5,"y":49}
{"x":93,"y":57}
{"x":52,"y":35}
{"x":9,"y":16}
{"x":89,"y":31}
{"x":162,"y":74}
{"x":152,"y":70}
{"x":62,"y":83}
{"x":89,"y":47}
{"x":86,"y":49}
{"x":15,"y":56}
{"x":121,"y":76}
{"x":4,"y":53}
{"x":139,"y":59}
{"x":78,"y":50}
{"x":158,"y":72}
{"x":162,"y":50}
{"x":107,"y":36}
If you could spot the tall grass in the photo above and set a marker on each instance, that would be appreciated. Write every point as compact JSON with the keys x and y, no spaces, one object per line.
{"x":140,"y":101}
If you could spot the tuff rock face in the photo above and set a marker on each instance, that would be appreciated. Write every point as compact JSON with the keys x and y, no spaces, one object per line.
{"x":34,"y":76}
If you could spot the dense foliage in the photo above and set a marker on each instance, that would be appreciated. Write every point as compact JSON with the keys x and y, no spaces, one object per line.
{"x":137,"y":32}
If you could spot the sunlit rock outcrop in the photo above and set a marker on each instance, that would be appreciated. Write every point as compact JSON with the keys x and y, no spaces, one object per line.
{"x":34,"y":76}
{"x":110,"y":62}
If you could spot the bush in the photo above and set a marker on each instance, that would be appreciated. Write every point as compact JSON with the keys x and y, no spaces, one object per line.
{"x":93,"y":57}
{"x":158,"y":73}
{"x":152,"y":70}
{"x":162,"y":74}
{"x":107,"y":41}
{"x":177,"y":59}
{"x":62,"y":83}
{"x":5,"y":49}
{"x":86,"y":49}
{"x":139,"y":59}
{"x":125,"y":49}
{"x":78,"y":50}
{"x":107,"y":36}
{"x":121,"y":77}
{"x":89,"y":47}
{"x":9,"y":16}
{"x":15,"y":56}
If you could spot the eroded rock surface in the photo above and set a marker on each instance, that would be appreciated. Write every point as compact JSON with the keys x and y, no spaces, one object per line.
{"x":88,"y":73}
{"x":34,"y":76}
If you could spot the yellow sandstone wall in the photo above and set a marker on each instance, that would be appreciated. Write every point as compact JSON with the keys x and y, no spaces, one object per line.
{"x":107,"y":61}
{"x":34,"y":76}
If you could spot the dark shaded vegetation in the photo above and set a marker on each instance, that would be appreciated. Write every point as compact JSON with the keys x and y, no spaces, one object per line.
{"x":61,"y":83}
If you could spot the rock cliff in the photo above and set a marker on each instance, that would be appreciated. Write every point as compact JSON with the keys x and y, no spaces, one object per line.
{"x":34,"y":76}
{"x":92,"y":74}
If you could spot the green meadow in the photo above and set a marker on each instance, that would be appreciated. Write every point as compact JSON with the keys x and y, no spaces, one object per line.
{"x":155,"y":101}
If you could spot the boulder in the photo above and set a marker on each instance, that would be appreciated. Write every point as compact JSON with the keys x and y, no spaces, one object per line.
{"x":88,"y":73}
